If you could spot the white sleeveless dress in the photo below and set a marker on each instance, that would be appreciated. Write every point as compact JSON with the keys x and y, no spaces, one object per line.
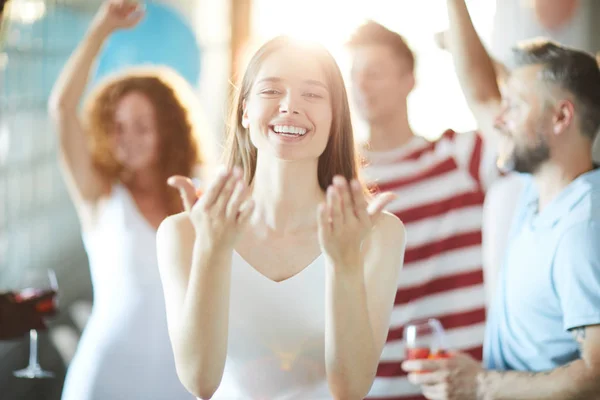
{"x":276,"y":348}
{"x":124,"y":352}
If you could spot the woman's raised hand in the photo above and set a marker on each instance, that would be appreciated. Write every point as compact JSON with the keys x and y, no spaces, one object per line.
{"x":345,"y":219}
{"x":221,"y":213}
{"x":119,"y":14}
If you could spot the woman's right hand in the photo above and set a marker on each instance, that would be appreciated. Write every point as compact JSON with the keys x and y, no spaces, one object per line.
{"x":118,"y":14}
{"x":221,"y":213}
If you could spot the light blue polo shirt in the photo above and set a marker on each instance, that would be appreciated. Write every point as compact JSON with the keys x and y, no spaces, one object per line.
{"x":550,"y":279}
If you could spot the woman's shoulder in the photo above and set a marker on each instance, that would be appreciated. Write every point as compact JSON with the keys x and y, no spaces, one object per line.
{"x":174,"y":243}
{"x":384,"y":250}
{"x":390,"y":229}
{"x":176,"y":226}
{"x":387,"y":240}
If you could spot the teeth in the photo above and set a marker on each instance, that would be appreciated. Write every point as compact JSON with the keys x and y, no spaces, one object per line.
{"x":294,"y":130}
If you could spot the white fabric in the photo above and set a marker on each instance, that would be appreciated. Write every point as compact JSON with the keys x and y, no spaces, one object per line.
{"x":276,"y":341}
{"x":515,"y":21}
{"x":124,"y":352}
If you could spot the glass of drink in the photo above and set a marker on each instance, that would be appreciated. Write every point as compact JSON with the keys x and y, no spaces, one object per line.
{"x":38,"y":284}
{"x":425,"y":339}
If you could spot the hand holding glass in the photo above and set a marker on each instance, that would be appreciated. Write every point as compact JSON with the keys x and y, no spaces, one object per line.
{"x":425,"y":339}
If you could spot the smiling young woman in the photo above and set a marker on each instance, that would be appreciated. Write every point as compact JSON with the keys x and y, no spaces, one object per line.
{"x":280,"y":280}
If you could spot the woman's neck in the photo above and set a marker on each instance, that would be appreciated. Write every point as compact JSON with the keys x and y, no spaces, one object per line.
{"x":286,"y":194}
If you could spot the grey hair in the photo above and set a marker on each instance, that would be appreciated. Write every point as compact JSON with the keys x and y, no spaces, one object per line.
{"x":574,"y":71}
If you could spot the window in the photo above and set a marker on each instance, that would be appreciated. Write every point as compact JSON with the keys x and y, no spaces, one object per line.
{"x":332,"y":21}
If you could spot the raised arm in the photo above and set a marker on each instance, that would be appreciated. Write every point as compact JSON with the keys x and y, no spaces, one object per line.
{"x":84,"y":182}
{"x":442,"y":39}
{"x":474,"y":67}
{"x":194,"y":257}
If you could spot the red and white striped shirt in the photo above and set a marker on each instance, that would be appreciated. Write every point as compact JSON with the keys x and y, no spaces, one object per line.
{"x":441,"y":187}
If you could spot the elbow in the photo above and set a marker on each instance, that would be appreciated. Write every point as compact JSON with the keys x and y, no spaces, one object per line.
{"x":55,"y":109}
{"x":483,"y":96}
{"x":201,"y":377}
{"x":58,"y":107}
{"x":199,"y":384}
{"x":350,"y":388}
{"x":588,"y":383}
{"x":348,"y":393}
{"x":202,"y":393}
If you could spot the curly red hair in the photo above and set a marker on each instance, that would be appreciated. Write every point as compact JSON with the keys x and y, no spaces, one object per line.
{"x":172,"y":99}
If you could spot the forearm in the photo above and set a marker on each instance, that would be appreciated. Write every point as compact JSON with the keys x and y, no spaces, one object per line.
{"x":201,"y":342}
{"x":473,"y":65}
{"x":574,"y":381}
{"x":350,"y":352}
{"x":72,"y":81}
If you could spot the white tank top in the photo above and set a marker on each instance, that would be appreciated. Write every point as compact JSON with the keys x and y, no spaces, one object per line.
{"x":125,"y":352}
{"x":276,"y":348}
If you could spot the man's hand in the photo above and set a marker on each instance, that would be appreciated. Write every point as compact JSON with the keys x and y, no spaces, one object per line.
{"x":454,"y":378}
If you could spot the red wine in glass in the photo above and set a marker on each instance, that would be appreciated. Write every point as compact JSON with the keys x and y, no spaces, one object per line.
{"x":47,"y":306}
{"x":37,"y":284}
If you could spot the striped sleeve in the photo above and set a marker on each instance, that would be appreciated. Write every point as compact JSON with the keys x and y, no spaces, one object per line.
{"x":476,"y":155}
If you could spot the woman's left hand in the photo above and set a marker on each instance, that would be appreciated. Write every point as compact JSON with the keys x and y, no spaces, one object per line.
{"x":345,"y":220}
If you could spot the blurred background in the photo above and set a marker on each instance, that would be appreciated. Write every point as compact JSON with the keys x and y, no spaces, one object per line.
{"x":38,"y":225}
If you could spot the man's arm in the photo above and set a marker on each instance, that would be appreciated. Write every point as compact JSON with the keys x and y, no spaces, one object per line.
{"x":578,"y":380}
{"x":502,"y":71}
{"x":474,"y":67}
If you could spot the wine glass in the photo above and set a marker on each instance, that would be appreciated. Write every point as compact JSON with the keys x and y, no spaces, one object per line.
{"x":425,"y":339}
{"x":37,"y":284}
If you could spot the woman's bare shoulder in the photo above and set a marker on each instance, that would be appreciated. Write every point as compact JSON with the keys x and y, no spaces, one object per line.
{"x":390,"y":229}
{"x":386,"y":242}
{"x":176,"y":226}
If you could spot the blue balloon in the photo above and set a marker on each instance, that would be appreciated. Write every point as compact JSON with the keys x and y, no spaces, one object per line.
{"x":163,"y":37}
